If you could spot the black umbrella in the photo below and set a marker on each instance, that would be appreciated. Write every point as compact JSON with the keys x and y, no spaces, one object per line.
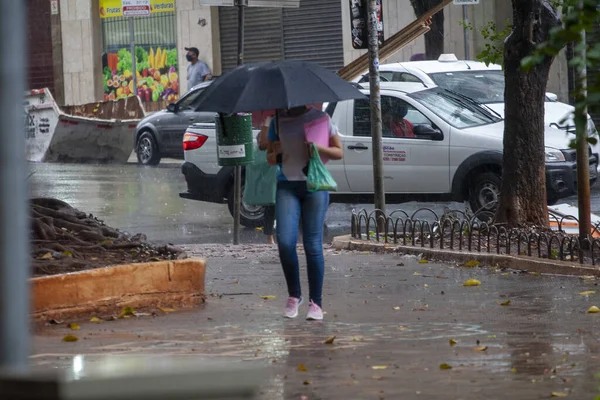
{"x":275,"y":85}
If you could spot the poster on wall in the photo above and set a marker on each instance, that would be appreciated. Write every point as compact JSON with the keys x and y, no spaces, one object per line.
{"x":114,"y":8}
{"x":157,"y":77}
{"x":156,"y":61}
{"x":358,"y":23}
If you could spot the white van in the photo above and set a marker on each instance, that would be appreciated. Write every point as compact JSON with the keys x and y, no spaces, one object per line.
{"x":483,"y":83}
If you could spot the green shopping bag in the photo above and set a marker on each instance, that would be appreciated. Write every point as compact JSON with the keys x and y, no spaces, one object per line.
{"x":260,"y":186}
{"x":319,"y":178}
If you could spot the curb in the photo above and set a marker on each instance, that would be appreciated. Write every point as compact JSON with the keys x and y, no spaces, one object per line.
{"x":105,"y":290}
{"x":521,"y":263}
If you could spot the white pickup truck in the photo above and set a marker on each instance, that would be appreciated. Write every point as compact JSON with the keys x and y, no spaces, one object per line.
{"x":453,"y":153}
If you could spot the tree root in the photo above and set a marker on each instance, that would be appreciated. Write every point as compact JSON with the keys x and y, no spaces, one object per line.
{"x":65,"y":239}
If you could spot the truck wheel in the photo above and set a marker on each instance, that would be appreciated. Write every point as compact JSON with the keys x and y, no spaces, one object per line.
{"x":250,"y":216}
{"x":147,"y":150}
{"x":484,"y":193}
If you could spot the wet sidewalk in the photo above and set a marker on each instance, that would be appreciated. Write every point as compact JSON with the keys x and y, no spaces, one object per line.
{"x":393,"y":319}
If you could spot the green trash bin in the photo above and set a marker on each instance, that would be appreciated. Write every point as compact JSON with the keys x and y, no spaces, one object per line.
{"x":234,"y":140}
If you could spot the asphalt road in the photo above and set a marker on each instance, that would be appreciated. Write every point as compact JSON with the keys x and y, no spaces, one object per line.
{"x":393,"y":319}
{"x":136,"y":199}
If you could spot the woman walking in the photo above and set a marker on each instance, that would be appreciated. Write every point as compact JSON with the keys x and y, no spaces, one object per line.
{"x":288,"y":147}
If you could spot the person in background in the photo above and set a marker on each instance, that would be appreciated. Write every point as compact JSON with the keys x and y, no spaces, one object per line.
{"x":288,"y":148}
{"x":394,"y":121}
{"x":269,"y":218}
{"x":197,"y":71}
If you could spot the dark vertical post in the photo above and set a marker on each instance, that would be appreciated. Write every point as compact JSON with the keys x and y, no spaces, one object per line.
{"x":376,"y":124}
{"x":237,"y":178}
{"x":583,"y":159}
{"x":14,"y":205}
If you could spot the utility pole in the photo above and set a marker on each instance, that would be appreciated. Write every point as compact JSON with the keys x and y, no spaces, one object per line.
{"x":15,"y":265}
{"x":583,"y":159}
{"x":375,"y":98}
{"x":237,"y":176}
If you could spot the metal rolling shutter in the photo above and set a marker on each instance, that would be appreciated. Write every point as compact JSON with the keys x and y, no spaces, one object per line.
{"x":313,"y":32}
{"x":263,"y":35}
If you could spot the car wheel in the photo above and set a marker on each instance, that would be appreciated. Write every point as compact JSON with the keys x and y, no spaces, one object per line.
{"x":147,"y":150}
{"x":250,"y":216}
{"x":484,"y":194}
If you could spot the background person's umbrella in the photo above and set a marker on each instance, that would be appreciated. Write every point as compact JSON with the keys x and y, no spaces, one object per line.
{"x":275,"y":85}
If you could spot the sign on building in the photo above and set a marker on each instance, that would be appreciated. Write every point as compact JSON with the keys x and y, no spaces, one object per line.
{"x":253,"y":3}
{"x":134,"y":8}
{"x":359,"y":20}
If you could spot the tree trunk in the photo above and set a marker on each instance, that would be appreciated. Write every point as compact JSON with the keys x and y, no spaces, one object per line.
{"x":434,"y":39}
{"x":523,"y":195}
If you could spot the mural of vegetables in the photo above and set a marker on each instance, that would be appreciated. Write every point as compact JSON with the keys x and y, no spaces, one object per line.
{"x":156,"y":74}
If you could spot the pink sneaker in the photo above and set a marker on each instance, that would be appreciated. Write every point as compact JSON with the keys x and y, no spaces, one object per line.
{"x":314,"y":312}
{"x":291,"y":308}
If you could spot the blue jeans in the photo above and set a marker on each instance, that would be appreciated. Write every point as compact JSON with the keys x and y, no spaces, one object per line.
{"x":296,"y":204}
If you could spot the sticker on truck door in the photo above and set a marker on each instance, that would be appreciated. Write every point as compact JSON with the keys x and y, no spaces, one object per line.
{"x":391,"y":154}
{"x":236,"y":151}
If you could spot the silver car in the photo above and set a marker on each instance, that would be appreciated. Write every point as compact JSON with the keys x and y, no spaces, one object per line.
{"x":160,"y":134}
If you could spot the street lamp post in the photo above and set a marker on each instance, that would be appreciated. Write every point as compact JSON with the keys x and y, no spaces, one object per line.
{"x":14,"y":206}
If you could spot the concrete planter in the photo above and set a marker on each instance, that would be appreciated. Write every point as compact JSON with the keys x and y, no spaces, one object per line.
{"x":104,"y":290}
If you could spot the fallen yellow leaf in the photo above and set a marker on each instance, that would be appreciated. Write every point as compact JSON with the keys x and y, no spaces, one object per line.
{"x":453,"y":342}
{"x":166,"y":309}
{"x":267,"y":297}
{"x":73,"y":326}
{"x":379,"y":367}
{"x":259,"y":229}
{"x":472,"y":264}
{"x":445,"y":366}
{"x":472,"y":282}
{"x":330,"y":340}
{"x":302,"y":368}
{"x":417,"y":274}
{"x":423,"y":261}
{"x":70,"y":338}
{"x":95,"y":319}
{"x":513,"y":370}
{"x":67,"y":253}
{"x":587,"y":292}
{"x":47,"y":256}
{"x":505,"y":303}
{"x":558,"y":394}
{"x":594,"y":309}
{"x":356,"y":339}
{"x":480,"y":348}
{"x":396,"y":308}
{"x":126,"y":313}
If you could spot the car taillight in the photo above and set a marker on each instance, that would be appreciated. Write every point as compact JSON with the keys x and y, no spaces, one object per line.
{"x":193,"y":141}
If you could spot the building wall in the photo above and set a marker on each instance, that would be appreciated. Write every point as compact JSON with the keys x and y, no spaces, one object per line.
{"x":40,"y":45}
{"x":197,"y":26}
{"x":82,"y":61}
